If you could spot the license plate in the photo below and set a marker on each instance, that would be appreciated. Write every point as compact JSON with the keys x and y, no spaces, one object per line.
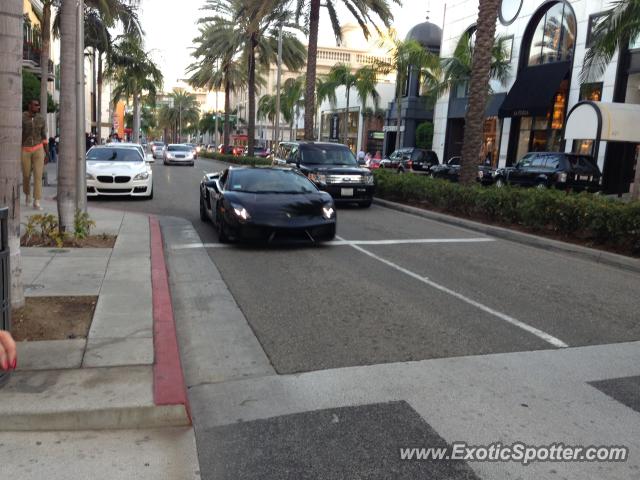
{"x":346,"y":192}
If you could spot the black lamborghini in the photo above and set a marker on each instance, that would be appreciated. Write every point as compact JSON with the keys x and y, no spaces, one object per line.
{"x":266,"y":204}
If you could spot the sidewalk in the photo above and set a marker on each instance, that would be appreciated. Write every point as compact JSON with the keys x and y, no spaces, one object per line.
{"x":108,"y":381}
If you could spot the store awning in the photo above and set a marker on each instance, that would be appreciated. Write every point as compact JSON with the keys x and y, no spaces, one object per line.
{"x":458,"y":106}
{"x":534,"y":89}
{"x":601,"y":121}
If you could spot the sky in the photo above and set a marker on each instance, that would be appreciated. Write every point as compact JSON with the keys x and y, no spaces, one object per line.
{"x":171,"y":30}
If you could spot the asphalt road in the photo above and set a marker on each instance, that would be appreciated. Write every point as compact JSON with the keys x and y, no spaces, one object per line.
{"x":393,"y":288}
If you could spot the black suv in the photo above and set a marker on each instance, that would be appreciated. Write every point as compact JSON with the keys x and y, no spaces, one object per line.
{"x":406,"y":159}
{"x":334,"y":169}
{"x":451,"y":171}
{"x":552,"y":169}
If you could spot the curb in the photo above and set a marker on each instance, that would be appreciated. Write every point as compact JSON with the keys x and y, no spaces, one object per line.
{"x":586,"y":253}
{"x":168,"y":380}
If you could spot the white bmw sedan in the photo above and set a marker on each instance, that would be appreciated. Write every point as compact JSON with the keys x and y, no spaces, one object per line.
{"x":118,"y":170}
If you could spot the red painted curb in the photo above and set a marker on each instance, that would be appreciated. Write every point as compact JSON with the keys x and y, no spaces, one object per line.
{"x":168,"y":381}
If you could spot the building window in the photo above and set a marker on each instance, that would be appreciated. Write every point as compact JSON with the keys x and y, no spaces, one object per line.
{"x":591,"y":91}
{"x":595,"y":21}
{"x":554,"y":37}
{"x":509,"y":10}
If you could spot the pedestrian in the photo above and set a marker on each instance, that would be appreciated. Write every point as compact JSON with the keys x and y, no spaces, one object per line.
{"x":8,"y":353}
{"x":360,"y":157}
{"x":53,"y":154}
{"x":34,"y":149}
{"x":367,"y":159}
{"x":378,"y":155}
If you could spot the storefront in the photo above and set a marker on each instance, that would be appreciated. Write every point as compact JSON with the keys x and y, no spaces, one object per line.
{"x":332,"y":126}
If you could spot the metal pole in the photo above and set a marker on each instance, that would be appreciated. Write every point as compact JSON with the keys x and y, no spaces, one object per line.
{"x":278,"y":76}
{"x":215,"y":133}
{"x":81,"y":179}
{"x":180,"y":124}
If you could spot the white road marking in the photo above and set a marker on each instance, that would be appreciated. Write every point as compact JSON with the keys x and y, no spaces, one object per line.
{"x":410,"y":240}
{"x":338,"y":243}
{"x":528,"y":328}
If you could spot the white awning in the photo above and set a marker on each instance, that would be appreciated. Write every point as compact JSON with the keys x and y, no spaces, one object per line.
{"x":606,"y":122}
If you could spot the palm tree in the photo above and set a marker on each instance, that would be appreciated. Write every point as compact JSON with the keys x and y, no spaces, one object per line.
{"x":456,"y":69}
{"x":292,"y":99}
{"x":615,"y":30}
{"x":267,"y":109}
{"x":10,"y":128}
{"x":68,"y":118}
{"x":185,"y":106}
{"x":217,"y":66}
{"x":406,"y":57}
{"x":479,"y":84}
{"x":249,"y":25}
{"x":361,"y":10}
{"x":364,"y":80}
{"x":133,"y":73}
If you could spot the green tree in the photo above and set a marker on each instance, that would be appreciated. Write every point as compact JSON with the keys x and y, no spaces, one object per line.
{"x":31,"y":91}
{"x":267,"y":109}
{"x":133,"y":74}
{"x":185,"y":108}
{"x":362,"y":10}
{"x":478,"y":88}
{"x":424,"y":135}
{"x":10,"y":128}
{"x":250,"y":26}
{"x":291,"y":100}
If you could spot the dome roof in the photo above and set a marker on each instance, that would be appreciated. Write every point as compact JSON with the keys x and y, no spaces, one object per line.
{"x":428,"y":34}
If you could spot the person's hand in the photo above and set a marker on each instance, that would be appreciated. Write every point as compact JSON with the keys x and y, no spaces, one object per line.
{"x":8,"y":354}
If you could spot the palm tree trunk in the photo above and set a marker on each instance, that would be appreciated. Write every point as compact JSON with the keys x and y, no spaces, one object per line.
{"x":227,"y":110}
{"x":346,"y":118}
{"x":480,"y":72}
{"x":310,"y":88}
{"x":99,"y":95}
{"x":10,"y":128}
{"x":251,"y":128}
{"x":68,"y":116}
{"x":398,"y":120}
{"x":291,"y":131}
{"x":44,"y":58}
{"x":136,"y":117}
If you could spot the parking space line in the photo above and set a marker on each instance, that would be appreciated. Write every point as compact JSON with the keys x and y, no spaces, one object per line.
{"x":556,"y":342}
{"x":411,"y":240}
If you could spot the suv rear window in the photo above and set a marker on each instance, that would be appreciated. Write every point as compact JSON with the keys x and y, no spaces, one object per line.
{"x":582,"y":163}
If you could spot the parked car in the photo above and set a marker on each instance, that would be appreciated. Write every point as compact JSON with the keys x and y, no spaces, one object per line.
{"x":225,"y":149}
{"x":266,"y":203}
{"x":280,"y":154}
{"x":261,"y":152}
{"x":178,"y":154}
{"x":552,"y":169}
{"x":408,"y":159}
{"x":157,"y":150}
{"x":334,"y":169}
{"x":450,"y":170}
{"x":115,"y":169}
{"x":194,"y":149}
{"x":139,"y":148}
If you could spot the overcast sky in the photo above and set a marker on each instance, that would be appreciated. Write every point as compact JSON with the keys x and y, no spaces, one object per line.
{"x":170,"y":30}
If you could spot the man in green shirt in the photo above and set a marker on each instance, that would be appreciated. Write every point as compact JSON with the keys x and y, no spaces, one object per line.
{"x":34,"y":139}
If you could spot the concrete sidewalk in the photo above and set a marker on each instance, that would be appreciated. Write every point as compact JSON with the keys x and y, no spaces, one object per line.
{"x":105,"y":382}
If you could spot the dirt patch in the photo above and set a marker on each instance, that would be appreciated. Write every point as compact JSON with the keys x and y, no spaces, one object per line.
{"x":53,"y":318}
{"x":93,"y":241}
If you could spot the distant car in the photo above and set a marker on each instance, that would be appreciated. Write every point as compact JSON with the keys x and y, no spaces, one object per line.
{"x":568,"y":171}
{"x":261,"y":152}
{"x":411,"y":159}
{"x":138,"y":147}
{"x":334,"y":169}
{"x":157,"y":150}
{"x":280,"y":154}
{"x":194,"y":148}
{"x":178,"y":154}
{"x":374,"y":163}
{"x":225,"y":149}
{"x":266,"y":203}
{"x":115,"y":169}
{"x":451,"y":171}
